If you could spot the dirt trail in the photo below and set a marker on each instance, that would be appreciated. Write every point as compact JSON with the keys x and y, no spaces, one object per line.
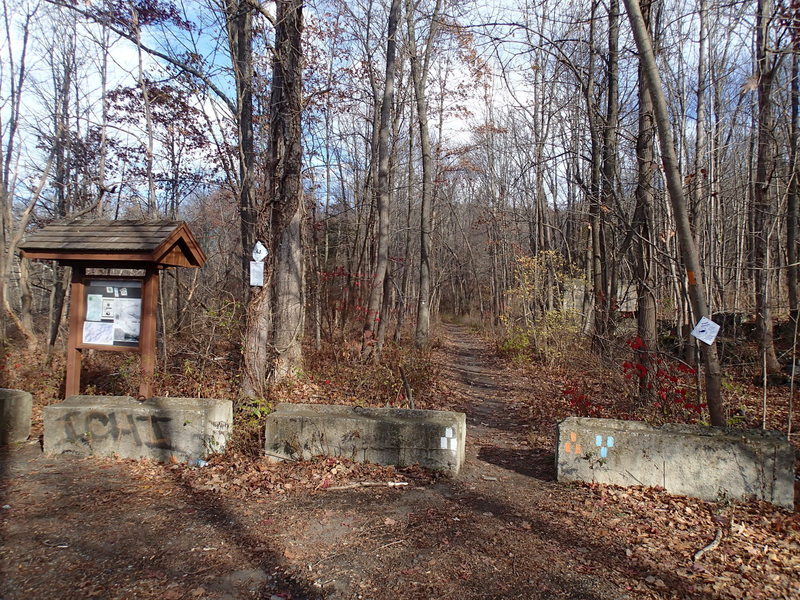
{"x":497,"y":423}
{"x":502,"y":529}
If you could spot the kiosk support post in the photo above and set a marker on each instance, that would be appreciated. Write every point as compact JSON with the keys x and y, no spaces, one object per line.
{"x":76,"y":314}
{"x":147,"y":340}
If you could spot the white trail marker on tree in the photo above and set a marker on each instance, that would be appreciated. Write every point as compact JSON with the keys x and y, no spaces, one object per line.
{"x":706,"y":330}
{"x":260,"y":252}
{"x":257,"y":264}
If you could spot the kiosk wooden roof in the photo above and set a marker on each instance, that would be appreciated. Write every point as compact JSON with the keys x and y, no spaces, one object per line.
{"x":124,"y":243}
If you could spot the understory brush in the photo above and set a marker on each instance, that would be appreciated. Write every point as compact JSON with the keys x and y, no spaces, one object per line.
{"x":335,"y":374}
{"x":551,"y":338}
{"x":627,"y":382}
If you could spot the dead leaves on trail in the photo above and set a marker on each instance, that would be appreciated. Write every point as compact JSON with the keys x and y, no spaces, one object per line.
{"x":240,"y":476}
{"x":756,"y":557}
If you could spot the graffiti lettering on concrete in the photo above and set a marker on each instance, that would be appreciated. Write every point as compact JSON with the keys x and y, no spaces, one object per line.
{"x":98,"y":426}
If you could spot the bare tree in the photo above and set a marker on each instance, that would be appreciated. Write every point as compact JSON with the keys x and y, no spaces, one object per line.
{"x":420,"y":68}
{"x":379,"y":291}
{"x":17,"y":75}
{"x":672,"y":174}
{"x":644,"y":265}
{"x":766,"y":66}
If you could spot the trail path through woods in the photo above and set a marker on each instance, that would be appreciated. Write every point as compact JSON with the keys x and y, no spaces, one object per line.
{"x":101,"y":528}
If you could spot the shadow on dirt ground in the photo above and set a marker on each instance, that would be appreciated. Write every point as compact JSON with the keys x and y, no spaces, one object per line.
{"x":106,"y":533}
{"x":525,"y":461}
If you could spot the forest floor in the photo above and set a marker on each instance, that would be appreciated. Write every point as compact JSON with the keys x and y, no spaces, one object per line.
{"x":503,"y":528}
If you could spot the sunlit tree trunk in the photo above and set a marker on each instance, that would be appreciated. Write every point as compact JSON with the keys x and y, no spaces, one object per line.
{"x":791,"y":201}
{"x":276,"y":311}
{"x":609,"y":179}
{"x":420,"y":67}
{"x":239,"y":22}
{"x":644,"y":266}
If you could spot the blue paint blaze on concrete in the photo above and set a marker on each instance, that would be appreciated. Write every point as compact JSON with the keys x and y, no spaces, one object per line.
{"x":598,"y":440}
{"x":610,"y":442}
{"x":603,"y":452}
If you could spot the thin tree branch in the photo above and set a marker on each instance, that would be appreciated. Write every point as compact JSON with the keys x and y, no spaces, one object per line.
{"x":97,"y":18}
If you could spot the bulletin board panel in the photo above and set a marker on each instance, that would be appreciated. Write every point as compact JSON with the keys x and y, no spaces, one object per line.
{"x":113,"y":313}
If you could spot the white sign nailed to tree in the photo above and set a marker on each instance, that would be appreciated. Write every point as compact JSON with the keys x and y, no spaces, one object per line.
{"x":257,"y":264}
{"x":706,"y":330}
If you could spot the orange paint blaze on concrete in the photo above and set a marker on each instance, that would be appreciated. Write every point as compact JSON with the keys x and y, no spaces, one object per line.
{"x":567,"y":447}
{"x":573,"y":436}
{"x":577,"y":448}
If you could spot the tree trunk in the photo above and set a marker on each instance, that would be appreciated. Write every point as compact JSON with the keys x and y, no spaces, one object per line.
{"x":646,"y":323}
{"x":420,"y":66}
{"x":151,"y":208}
{"x":791,"y":201}
{"x":674,"y":182}
{"x":699,"y":177}
{"x":762,"y":205}
{"x":240,"y":40}
{"x":596,"y":219}
{"x":610,"y":128}
{"x":276,"y":311}
{"x":375,"y":313}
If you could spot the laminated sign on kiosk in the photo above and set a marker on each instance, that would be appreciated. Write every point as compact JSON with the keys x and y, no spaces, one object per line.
{"x":116,"y":313}
{"x":113,"y":312}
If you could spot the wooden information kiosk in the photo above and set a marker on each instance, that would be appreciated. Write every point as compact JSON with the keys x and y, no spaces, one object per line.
{"x":116,"y":313}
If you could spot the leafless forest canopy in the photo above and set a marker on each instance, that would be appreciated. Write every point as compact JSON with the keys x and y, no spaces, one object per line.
{"x":409,"y":161}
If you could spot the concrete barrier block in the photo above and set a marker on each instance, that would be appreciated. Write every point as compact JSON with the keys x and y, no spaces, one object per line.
{"x":158,"y":428}
{"x":387,"y":436}
{"x":16,"y":411}
{"x":704,"y":462}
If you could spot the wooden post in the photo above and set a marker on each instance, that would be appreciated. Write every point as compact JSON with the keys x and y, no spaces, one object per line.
{"x":77,"y":310}
{"x":147,"y":333}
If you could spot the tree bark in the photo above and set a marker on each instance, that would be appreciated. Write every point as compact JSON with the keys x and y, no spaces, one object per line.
{"x":609,"y":171}
{"x":419,"y":74}
{"x":791,"y":200}
{"x":596,"y":219}
{"x":646,"y":323}
{"x":239,"y":21}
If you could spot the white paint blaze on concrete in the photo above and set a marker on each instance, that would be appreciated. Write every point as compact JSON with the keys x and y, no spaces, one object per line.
{"x":448,"y":442}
